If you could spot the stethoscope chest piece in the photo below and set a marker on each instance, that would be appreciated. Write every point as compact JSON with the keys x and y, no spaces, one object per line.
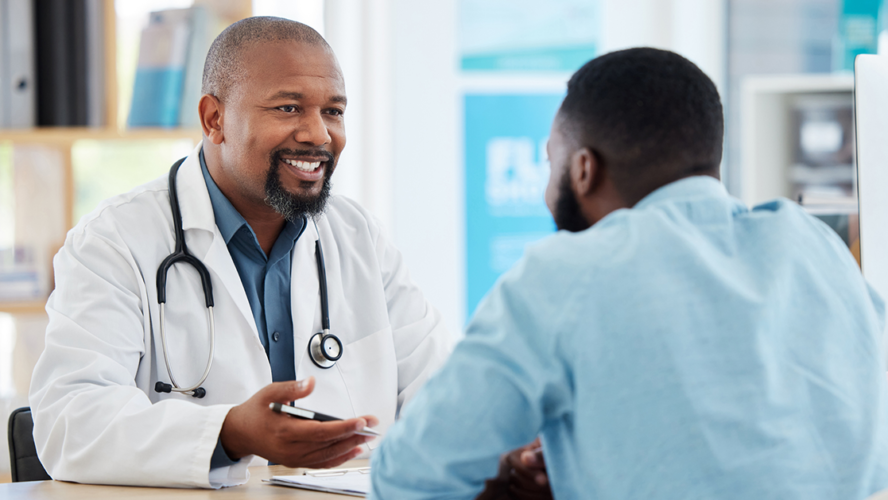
{"x":324,"y":349}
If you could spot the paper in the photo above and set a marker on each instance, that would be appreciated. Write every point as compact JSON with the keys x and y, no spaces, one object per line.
{"x":353,"y":483}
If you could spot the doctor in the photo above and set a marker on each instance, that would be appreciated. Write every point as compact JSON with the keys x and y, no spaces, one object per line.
{"x":254,"y":203}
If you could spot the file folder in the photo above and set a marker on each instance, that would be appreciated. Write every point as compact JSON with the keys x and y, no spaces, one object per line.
{"x":19,"y":84}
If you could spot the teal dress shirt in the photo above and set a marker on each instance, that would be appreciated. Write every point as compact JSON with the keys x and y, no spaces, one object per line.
{"x":687,"y":348}
{"x":266,"y":278}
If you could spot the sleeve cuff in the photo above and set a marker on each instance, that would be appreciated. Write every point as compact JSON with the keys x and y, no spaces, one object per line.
{"x":220,"y":458}
{"x":224,"y":471}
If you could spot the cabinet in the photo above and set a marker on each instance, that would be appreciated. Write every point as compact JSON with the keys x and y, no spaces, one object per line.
{"x":794,"y":138}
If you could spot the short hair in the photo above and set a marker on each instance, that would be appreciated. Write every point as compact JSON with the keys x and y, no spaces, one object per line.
{"x":650,"y":116}
{"x":223,"y":68}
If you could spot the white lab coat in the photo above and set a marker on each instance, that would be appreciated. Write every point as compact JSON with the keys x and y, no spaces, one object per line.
{"x":97,"y":418}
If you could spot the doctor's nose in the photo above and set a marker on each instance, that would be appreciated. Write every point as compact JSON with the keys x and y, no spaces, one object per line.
{"x":313,"y":130}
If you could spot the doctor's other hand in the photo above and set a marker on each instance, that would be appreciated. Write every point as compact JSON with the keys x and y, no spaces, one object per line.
{"x":522,"y":475}
{"x":253,"y":429}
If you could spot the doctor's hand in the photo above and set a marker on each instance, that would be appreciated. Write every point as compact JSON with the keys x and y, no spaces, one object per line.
{"x":253,"y":429}
{"x":522,"y":475}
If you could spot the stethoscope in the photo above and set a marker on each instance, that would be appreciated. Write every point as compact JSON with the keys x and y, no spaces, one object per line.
{"x":324,"y":348}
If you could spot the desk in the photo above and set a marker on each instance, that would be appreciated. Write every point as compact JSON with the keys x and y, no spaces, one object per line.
{"x":38,"y":490}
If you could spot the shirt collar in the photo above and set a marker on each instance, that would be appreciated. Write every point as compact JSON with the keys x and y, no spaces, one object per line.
{"x":697,"y":186}
{"x":228,"y":219}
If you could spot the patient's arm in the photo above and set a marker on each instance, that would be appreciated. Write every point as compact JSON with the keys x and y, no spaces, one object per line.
{"x":505,"y":384}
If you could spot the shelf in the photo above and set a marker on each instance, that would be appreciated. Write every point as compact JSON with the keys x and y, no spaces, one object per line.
{"x":29,"y":307}
{"x":804,"y":83}
{"x":71,"y":134}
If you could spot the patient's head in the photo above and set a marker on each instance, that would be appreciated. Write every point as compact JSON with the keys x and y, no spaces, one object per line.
{"x":632,"y":121}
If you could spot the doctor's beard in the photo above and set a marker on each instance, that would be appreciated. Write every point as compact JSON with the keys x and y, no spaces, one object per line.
{"x":291,"y":205}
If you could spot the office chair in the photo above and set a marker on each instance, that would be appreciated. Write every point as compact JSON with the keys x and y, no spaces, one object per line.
{"x":23,"y":459}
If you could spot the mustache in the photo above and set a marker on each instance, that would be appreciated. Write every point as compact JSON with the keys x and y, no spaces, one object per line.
{"x":311,"y":153}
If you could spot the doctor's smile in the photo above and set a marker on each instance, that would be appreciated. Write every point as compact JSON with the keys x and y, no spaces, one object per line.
{"x":306,"y":166}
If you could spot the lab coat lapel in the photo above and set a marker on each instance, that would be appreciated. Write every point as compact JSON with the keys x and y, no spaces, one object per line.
{"x":305,"y":299}
{"x":203,"y":237}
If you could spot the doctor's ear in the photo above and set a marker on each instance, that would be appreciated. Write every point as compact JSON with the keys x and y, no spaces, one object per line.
{"x":210,"y":109}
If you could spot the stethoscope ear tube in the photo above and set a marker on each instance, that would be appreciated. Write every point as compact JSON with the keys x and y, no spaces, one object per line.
{"x":194,"y":262}
{"x":195,"y":390}
{"x":181,"y":254}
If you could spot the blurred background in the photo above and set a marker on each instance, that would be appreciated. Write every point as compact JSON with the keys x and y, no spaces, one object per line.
{"x":450,"y":104}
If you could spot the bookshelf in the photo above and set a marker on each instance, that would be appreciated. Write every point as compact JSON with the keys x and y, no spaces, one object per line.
{"x":63,"y":139}
{"x":65,"y":135}
{"x":23,"y":307}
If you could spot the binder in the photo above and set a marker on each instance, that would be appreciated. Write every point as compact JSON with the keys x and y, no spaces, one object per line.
{"x":61,"y":34}
{"x":18,"y":89}
{"x":77,"y":53}
{"x":163,"y":49}
{"x":4,"y":121}
{"x":203,"y":23}
{"x":95,"y":63}
{"x":54,"y":69}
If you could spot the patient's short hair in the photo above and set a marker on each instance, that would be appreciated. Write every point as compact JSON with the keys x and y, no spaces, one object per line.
{"x":223,"y":69}
{"x":650,"y":116}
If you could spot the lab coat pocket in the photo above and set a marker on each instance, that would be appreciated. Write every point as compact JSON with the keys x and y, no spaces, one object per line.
{"x":370,"y":374}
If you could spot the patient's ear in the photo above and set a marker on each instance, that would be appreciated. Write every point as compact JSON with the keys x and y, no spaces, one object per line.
{"x":585,"y":172}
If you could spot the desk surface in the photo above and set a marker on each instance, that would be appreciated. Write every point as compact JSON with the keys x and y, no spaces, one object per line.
{"x":253,"y":489}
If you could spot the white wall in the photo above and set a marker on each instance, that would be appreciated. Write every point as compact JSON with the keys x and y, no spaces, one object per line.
{"x":428,"y":195}
{"x":696,"y":29}
{"x":360,"y":33}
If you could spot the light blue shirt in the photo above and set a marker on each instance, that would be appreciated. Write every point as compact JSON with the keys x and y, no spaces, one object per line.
{"x":686,"y":348}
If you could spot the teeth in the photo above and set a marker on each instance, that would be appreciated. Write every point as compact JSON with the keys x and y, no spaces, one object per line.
{"x":305,"y":166}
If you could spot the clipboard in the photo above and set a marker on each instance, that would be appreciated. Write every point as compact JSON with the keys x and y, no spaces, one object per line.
{"x":352,"y":482}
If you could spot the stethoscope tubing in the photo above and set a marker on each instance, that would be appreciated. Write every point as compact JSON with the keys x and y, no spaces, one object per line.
{"x":181,"y":254}
{"x":166,"y":356}
{"x":322,"y":282}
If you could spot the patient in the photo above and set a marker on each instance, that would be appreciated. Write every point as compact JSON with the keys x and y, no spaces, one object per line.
{"x":669,"y":342}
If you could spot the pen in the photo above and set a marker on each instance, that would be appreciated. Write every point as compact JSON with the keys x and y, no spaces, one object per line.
{"x":335,"y":472}
{"x":313,"y":415}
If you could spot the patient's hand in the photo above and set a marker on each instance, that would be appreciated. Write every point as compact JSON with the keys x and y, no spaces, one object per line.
{"x":522,"y":475}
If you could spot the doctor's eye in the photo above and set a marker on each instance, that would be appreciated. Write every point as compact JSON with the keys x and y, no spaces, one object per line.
{"x":287,"y":109}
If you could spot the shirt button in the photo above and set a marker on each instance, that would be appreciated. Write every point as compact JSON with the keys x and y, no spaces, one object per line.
{"x":275,"y":336}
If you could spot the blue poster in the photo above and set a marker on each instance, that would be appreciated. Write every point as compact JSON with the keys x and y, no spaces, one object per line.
{"x":507,"y":171}
{"x":860,"y":23}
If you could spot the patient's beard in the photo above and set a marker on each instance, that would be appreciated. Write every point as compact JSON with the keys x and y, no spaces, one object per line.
{"x":291,"y":205}
{"x":568,"y":215}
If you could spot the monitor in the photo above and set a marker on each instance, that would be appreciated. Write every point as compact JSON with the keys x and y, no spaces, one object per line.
{"x":871,"y":117}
